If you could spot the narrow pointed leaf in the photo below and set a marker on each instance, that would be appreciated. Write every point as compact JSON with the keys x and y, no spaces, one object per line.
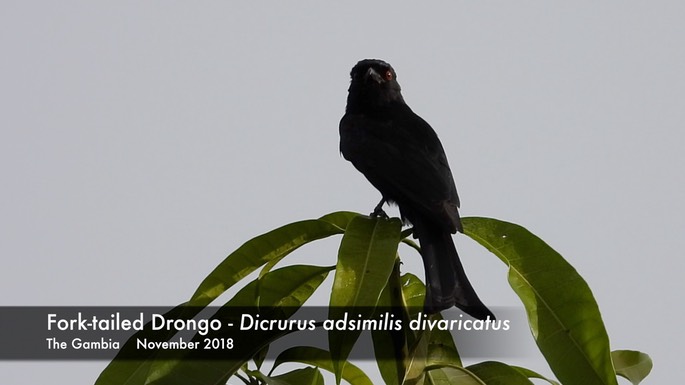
{"x":306,"y":376}
{"x":365,"y":259}
{"x":632,"y":365}
{"x":532,"y":374}
{"x":267,"y":247}
{"x":497,"y":373}
{"x":441,"y":347}
{"x":562,"y":313}
{"x":121,"y":370}
{"x":259,"y":358}
{"x":416,"y":361}
{"x":451,"y":375}
{"x":413,"y":293}
{"x":484,"y":373}
{"x":290,"y":286}
{"x":297,"y":283}
{"x":434,"y":349}
{"x":322,"y":359}
{"x":390,"y":346}
{"x":338,"y":219}
{"x":441,"y":350}
{"x":260,"y":250}
{"x":177,"y":371}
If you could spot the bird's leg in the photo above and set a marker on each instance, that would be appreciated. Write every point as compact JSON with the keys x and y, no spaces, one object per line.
{"x":378,"y":210}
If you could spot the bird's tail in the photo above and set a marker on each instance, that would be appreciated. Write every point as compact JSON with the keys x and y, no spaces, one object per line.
{"x":446,"y":281}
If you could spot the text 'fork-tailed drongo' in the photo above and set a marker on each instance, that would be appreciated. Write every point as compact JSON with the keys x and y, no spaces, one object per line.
{"x":401,"y":155}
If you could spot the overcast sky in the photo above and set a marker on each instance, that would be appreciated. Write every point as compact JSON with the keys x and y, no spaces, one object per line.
{"x":143,"y":141}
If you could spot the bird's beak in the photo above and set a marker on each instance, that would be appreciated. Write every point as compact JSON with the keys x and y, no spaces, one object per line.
{"x":372,"y":74}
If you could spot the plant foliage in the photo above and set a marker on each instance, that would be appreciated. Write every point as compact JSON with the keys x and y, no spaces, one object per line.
{"x":563,"y":316}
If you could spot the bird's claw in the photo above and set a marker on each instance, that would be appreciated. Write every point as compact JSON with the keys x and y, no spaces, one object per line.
{"x":378,"y":210}
{"x":379,"y":213}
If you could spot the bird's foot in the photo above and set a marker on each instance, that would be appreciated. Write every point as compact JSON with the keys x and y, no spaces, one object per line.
{"x":379,"y":213}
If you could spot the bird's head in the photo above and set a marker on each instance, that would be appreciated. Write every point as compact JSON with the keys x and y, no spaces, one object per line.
{"x":373,"y":86}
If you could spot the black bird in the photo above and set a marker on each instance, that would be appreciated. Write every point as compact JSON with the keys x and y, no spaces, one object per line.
{"x":401,"y":155}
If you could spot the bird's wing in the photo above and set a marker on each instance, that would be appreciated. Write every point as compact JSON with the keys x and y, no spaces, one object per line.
{"x":403,"y":158}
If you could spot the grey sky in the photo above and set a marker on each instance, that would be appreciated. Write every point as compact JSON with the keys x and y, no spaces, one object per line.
{"x":143,"y":141}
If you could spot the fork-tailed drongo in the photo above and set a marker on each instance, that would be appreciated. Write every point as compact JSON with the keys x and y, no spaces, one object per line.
{"x":401,"y":155}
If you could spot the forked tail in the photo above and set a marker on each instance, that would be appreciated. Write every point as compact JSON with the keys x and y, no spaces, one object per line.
{"x":446,"y":281}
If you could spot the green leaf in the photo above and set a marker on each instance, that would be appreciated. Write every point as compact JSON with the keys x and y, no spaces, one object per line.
{"x":632,"y":365}
{"x":416,"y":361}
{"x":434,"y":349}
{"x":365,"y":259}
{"x":532,"y":374}
{"x":270,"y":246}
{"x":497,"y":373}
{"x":265,"y":248}
{"x":411,"y":243}
{"x":391,"y":346}
{"x":259,"y":358}
{"x":322,"y":359}
{"x":338,"y":219}
{"x":413,"y":293}
{"x":441,"y":347}
{"x":563,"y":315}
{"x":484,"y":373}
{"x":306,"y":376}
{"x":122,"y":370}
{"x":290,"y":286}
{"x":450,"y":375}
{"x":175,"y":370}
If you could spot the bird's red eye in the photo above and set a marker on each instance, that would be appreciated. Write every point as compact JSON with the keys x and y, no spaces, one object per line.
{"x":388,"y":75}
